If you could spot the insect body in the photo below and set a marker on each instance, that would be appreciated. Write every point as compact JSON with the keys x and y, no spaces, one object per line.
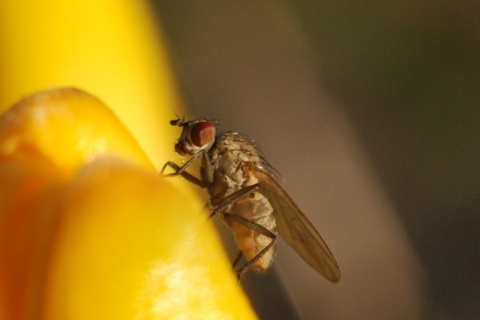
{"x":244,"y":192}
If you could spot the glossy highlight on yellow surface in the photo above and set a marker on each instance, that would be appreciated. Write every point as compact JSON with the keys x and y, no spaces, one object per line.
{"x":77,"y":132}
{"x":96,"y":233}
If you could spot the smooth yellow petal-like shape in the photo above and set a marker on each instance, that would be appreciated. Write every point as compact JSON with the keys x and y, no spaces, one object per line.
{"x":67,"y":126}
{"x":148,"y":256}
{"x":62,"y":256}
{"x":112,"y":240}
{"x":111,"y":48}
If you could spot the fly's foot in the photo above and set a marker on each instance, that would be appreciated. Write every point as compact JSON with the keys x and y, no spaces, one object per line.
{"x":172,"y":165}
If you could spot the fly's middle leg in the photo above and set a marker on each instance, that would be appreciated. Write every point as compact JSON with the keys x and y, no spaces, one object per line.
{"x":258,"y":228}
{"x":231,"y":217}
{"x":232,"y":198}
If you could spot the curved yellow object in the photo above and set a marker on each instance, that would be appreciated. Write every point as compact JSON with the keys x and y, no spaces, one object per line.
{"x":68,"y":135}
{"x":110,"y":48}
{"x":88,"y":230}
{"x":94,"y":232}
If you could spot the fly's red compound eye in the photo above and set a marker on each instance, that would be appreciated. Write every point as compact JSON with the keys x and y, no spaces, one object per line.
{"x":202,"y":133}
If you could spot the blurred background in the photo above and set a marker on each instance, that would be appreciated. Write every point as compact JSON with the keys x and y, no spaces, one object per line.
{"x":370,"y":111}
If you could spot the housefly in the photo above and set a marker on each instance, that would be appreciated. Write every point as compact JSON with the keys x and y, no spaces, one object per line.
{"x":244,"y":192}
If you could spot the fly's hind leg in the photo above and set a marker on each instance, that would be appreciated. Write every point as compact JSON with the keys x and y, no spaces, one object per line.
{"x":237,"y":259}
{"x":258,"y":228}
{"x":230,"y":199}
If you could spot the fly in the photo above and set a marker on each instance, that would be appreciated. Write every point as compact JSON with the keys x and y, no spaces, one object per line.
{"x":244,"y":192}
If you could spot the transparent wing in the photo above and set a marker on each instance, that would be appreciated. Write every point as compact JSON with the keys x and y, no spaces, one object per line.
{"x":297,"y":230}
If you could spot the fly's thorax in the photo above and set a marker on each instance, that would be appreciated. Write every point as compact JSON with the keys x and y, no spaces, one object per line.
{"x":234,"y":143}
{"x":220,"y":187}
{"x":231,"y":153}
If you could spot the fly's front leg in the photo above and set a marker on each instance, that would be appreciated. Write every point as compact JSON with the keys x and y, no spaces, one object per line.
{"x":181,"y":171}
{"x":258,"y":228}
{"x":234,"y":197}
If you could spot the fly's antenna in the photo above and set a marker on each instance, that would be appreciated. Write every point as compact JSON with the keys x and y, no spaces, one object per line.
{"x":179,"y":122}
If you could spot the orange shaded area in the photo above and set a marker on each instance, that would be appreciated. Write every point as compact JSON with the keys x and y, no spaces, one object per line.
{"x":28,"y":197}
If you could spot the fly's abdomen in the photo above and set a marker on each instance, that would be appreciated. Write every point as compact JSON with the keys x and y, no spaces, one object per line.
{"x":255,"y":238}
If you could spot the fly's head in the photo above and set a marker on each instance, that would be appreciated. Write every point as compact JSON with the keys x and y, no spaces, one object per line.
{"x":197,"y":135}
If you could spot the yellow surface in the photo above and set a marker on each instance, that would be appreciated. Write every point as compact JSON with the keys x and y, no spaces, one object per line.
{"x":88,"y":230}
{"x":113,"y":240}
{"x":111,"y":48}
{"x":69,"y":135}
